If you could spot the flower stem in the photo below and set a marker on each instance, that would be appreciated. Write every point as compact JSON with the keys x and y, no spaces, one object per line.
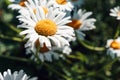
{"x":117,"y":31}
{"x":15,"y":58}
{"x":13,"y":28}
{"x":91,"y":47}
{"x":11,"y":38}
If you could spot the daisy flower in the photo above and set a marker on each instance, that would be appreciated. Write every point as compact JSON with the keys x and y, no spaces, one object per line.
{"x":21,"y":4}
{"x":7,"y":75}
{"x":115,"y":12}
{"x":46,"y":30}
{"x":33,"y":4}
{"x":81,"y":22}
{"x":17,"y":4}
{"x":62,"y":5}
{"x":113,"y":46}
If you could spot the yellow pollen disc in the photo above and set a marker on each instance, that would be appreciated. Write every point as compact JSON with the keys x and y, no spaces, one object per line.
{"x":75,"y":24}
{"x":42,"y":49}
{"x":61,"y":2}
{"x":45,"y":10}
{"x":118,"y":13}
{"x":46,"y":27}
{"x":21,"y":3}
{"x":115,"y":45}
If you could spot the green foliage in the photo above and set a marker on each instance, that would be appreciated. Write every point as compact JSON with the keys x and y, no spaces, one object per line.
{"x":88,"y":60}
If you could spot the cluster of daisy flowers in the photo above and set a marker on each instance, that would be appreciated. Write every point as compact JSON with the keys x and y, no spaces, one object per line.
{"x":50,"y":25}
{"x":113,"y":45}
{"x":16,"y":75}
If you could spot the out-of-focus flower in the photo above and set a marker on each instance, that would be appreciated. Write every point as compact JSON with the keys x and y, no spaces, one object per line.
{"x":115,"y":12}
{"x":33,"y":4}
{"x":81,"y":22}
{"x":62,"y":5}
{"x":17,"y":4}
{"x":113,"y":46}
{"x":49,"y":55}
{"x":7,"y":75}
{"x":21,"y":4}
{"x":44,"y":54}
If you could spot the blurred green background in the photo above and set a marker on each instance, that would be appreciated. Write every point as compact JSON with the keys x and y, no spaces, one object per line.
{"x":86,"y":62}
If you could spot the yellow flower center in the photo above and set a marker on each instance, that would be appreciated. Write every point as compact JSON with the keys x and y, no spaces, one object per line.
{"x":42,"y":49}
{"x":21,"y":3}
{"x":75,"y":24}
{"x":46,"y":27}
{"x":115,"y":45}
{"x":62,"y":2}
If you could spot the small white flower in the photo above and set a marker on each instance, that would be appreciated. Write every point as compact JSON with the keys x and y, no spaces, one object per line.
{"x":113,"y":46}
{"x":81,"y":22}
{"x":115,"y":12}
{"x":21,"y":4}
{"x":33,"y":4}
{"x":7,"y":75}
{"x":62,"y":5}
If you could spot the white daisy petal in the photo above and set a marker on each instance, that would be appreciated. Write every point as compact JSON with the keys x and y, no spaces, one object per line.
{"x":7,"y":75}
{"x":115,"y":12}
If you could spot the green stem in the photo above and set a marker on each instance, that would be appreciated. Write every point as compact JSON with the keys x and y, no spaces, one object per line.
{"x":13,"y":28}
{"x":15,"y":58}
{"x":11,"y":38}
{"x":117,"y":31}
{"x":91,"y":47}
{"x":109,"y":65}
